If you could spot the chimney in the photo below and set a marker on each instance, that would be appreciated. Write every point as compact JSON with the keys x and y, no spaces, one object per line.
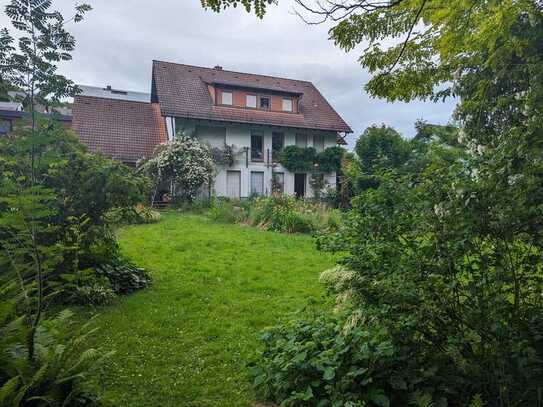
{"x":218,"y":67}
{"x":108,"y":87}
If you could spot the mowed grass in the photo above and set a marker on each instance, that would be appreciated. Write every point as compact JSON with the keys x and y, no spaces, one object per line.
{"x":186,"y":340}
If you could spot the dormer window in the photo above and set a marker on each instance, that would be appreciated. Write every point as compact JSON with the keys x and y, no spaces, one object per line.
{"x":250,"y":101}
{"x":226,"y":98}
{"x":287,"y":105}
{"x":265,"y":103}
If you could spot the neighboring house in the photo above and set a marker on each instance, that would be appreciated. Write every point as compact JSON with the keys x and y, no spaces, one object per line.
{"x":10,"y":112}
{"x":257,"y":115}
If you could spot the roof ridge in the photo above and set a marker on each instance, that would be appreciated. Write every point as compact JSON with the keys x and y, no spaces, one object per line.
{"x":238,"y":72}
{"x":116,"y":100}
{"x":122,"y":90}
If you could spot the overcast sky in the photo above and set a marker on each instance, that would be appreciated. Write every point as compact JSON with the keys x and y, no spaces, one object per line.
{"x":119,"y":39}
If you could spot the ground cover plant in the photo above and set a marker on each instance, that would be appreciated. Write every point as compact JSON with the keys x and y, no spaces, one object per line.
{"x":187,"y":339}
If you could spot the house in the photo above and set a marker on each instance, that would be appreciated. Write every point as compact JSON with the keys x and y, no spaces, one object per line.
{"x":256,"y":115}
{"x":10,"y":112}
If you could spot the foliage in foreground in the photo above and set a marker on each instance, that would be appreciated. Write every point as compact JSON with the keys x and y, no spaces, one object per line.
{"x":279,"y":213}
{"x":438,"y":267}
{"x":58,"y":374}
{"x":56,"y":198}
{"x":323,"y":360}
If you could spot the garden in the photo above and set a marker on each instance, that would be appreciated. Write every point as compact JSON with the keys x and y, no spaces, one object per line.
{"x":420,"y":284}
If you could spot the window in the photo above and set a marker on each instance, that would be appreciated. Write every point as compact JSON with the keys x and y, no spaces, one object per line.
{"x":257,"y":146}
{"x":301,"y":140}
{"x":287,"y":105}
{"x":257,"y":183}
{"x":265,"y":102}
{"x":278,"y":183}
{"x":250,"y":101}
{"x":233,"y":184}
{"x":226,"y":98}
{"x":214,"y":136}
{"x":278,"y":142}
{"x":318,"y":142}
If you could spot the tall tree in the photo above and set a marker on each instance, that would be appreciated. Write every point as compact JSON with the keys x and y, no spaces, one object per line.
{"x":31,"y":65}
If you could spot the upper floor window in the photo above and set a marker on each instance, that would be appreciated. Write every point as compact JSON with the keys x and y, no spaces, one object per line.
{"x":301,"y":140}
{"x":318,"y":142}
{"x":226,"y":98}
{"x":265,"y":102}
{"x":250,"y":101}
{"x":278,"y":142}
{"x":257,"y":147}
{"x":287,"y":104}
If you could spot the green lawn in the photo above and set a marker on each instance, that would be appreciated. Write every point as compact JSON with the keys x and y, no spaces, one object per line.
{"x":186,"y":340}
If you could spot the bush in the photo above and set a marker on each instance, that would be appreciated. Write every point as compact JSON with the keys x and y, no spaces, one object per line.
{"x":96,"y":293}
{"x":124,"y":276}
{"x":137,"y":215}
{"x":222,"y":210}
{"x":86,"y":288}
{"x":324,"y":360}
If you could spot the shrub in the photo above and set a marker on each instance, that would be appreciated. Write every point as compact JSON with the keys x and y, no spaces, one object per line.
{"x":98,"y":292}
{"x":85,"y":288}
{"x":124,"y":276}
{"x":322,"y":360}
{"x":139,"y":214}
{"x":295,"y":158}
{"x":185,"y":163}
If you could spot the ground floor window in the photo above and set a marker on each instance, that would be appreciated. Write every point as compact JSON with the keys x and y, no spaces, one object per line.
{"x":233,"y":184}
{"x":257,"y":183}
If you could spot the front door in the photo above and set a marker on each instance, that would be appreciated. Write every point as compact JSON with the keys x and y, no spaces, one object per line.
{"x":299,"y":185}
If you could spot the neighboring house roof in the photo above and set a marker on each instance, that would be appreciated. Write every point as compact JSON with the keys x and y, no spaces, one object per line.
{"x":18,"y":114}
{"x":110,"y":93}
{"x":122,"y":129}
{"x":12,"y":106}
{"x":182,"y":91}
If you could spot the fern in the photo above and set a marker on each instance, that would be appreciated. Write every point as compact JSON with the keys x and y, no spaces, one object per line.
{"x":61,"y":366}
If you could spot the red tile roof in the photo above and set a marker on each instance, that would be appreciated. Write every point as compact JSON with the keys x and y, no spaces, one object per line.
{"x":181,"y":91}
{"x":120,"y":129}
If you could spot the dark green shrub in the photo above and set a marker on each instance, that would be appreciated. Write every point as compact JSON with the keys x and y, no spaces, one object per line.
{"x":327,"y":361}
{"x":329,"y":160}
{"x":124,"y":276}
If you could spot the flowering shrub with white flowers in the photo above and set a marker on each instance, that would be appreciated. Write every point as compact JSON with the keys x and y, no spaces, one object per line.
{"x":185,"y":163}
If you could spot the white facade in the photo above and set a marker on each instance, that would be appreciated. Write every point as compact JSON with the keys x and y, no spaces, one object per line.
{"x":246,"y":174}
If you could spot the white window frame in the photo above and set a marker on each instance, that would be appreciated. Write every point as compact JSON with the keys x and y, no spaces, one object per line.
{"x":223,"y":102}
{"x":253,"y":99}
{"x":288,"y":106}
